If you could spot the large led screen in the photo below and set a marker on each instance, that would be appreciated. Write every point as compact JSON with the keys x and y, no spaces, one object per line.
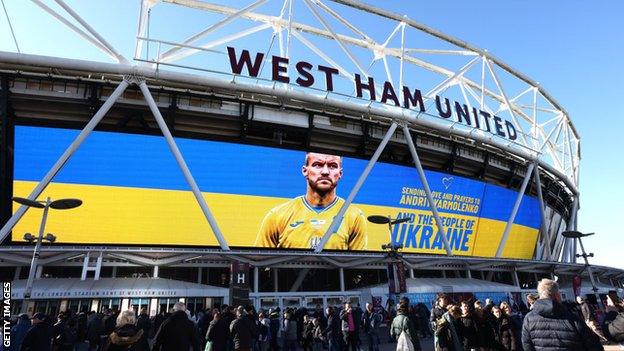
{"x":134,"y":193}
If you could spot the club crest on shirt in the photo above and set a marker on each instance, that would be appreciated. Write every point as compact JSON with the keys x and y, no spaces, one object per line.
{"x":317,"y":223}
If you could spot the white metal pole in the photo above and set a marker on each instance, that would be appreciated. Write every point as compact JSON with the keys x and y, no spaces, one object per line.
{"x":35,"y":258}
{"x":335,"y":224}
{"x":8,"y":226}
{"x":589,"y":272}
{"x":342,"y":281}
{"x":93,"y":32}
{"x":183,"y":167}
{"x":514,"y":211}
{"x":425,"y":183}
{"x":543,"y":228}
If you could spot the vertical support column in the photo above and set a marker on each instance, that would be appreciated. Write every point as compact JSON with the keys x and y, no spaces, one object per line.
{"x":17,"y":273}
{"x":183,"y":166}
{"x":571,"y":226}
{"x":7,"y":138}
{"x":155,"y":272}
{"x":39,"y":272}
{"x":8,"y":226}
{"x":200,"y":271}
{"x":468,"y":272}
{"x":342,"y":282}
{"x":514,"y":211}
{"x":335,"y":224}
{"x":443,"y":274}
{"x":114,"y":272}
{"x":256,"y":280}
{"x":515,"y":278}
{"x":425,"y":183}
{"x":411,"y":271}
{"x":544,"y":232}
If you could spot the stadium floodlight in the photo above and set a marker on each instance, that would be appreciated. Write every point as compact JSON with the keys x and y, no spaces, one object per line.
{"x":60,"y":204}
{"x":574,"y":235}
{"x":392,"y":247}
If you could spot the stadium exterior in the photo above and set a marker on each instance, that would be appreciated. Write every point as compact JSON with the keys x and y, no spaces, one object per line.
{"x":534,"y":152}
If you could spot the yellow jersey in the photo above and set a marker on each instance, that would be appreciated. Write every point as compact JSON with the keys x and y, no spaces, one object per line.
{"x":298,"y":225}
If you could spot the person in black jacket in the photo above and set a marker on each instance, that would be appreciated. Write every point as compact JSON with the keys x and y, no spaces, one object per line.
{"x":144,"y":322}
{"x":177,"y":332}
{"x":468,"y":327}
{"x":274,"y":317}
{"x":505,"y":333}
{"x":127,"y":336}
{"x":333,"y":331}
{"x":307,"y":333}
{"x":39,"y":336}
{"x":95,"y":328}
{"x":218,"y":332}
{"x":159,"y":318}
{"x":241,"y":331}
{"x":549,"y":326}
{"x":448,"y":330}
{"x":442,"y":301}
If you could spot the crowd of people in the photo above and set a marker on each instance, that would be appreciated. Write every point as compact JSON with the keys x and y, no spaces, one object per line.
{"x":546,"y":324}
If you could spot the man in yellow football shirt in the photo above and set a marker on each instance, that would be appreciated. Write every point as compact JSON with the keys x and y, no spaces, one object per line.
{"x":301,"y":222}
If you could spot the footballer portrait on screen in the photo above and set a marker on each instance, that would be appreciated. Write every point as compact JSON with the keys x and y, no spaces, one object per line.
{"x":301,"y":222}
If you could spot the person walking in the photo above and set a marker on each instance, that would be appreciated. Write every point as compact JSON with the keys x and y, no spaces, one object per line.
{"x":371,"y":321}
{"x":177,"y":332}
{"x":468,"y":327}
{"x":504,"y":330}
{"x":95,"y":327}
{"x":18,"y":332}
{"x":39,"y":336}
{"x":290,"y":331}
{"x":317,"y":335}
{"x":143,"y":322}
{"x":241,"y":331}
{"x":274,"y":316}
{"x":307,"y":333}
{"x":264,"y":335}
{"x":127,"y":335}
{"x":549,"y":326}
{"x":402,"y":324}
{"x":65,"y":333}
{"x":217,"y":334}
{"x":448,"y":330}
{"x":350,"y":327}
{"x":333,"y":330}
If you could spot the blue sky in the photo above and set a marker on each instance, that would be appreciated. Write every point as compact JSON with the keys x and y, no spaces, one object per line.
{"x":574,"y":49}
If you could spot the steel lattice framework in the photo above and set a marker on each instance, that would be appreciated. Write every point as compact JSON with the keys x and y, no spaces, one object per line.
{"x":399,"y":50}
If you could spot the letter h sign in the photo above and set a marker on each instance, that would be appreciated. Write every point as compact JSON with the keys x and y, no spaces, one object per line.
{"x":239,"y":284}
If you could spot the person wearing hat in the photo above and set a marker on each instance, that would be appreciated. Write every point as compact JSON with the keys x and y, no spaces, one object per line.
{"x":18,"y":331}
{"x":39,"y":336}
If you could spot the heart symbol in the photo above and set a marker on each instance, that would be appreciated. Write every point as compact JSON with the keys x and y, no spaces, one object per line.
{"x":447,"y":182}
